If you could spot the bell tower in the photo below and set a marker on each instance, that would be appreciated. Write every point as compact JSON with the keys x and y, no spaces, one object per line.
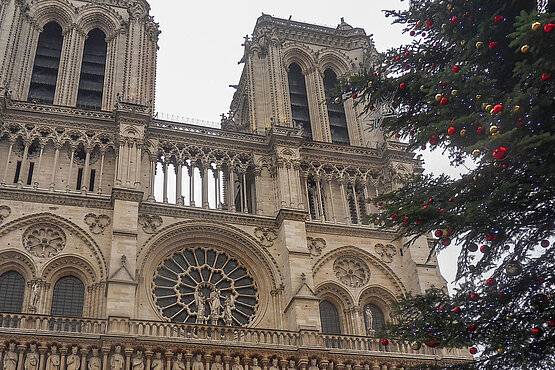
{"x":81,"y":54}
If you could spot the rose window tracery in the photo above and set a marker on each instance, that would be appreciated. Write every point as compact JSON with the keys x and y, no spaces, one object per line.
{"x":44,"y":240}
{"x":205,"y":286}
{"x":351,"y":271}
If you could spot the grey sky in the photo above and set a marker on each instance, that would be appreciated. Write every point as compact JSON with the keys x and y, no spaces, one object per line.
{"x":200,"y":46}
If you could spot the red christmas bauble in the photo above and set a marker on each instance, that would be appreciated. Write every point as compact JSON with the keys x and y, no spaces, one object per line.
{"x":493,"y":44}
{"x":480,"y":130}
{"x":497,"y":108}
{"x":394,"y":216}
{"x":446,"y":241}
{"x":474,"y":296}
{"x":442,"y":210}
{"x":434,"y":140}
{"x":380,"y":203}
{"x":443,"y":101}
{"x":431,"y":344}
{"x":371,"y":107}
{"x":548,"y":27}
{"x":491,"y":281}
{"x":537,"y":331}
{"x":546,"y":76}
{"x":471,"y":327}
{"x":484,"y":249}
{"x":385,"y":342}
{"x":406,"y":220}
{"x":438,"y":233}
{"x":551,"y":322}
{"x":402,"y":85}
{"x":429,"y":23}
{"x":498,"y":18}
{"x":423,"y":147}
{"x":500,"y":153}
{"x":454,"y":19}
{"x":397,"y":58}
{"x":406,"y":53}
{"x":354,"y":95}
{"x":473,"y":350}
{"x":455,"y":69}
{"x":457,"y":309}
{"x":451,"y":131}
{"x":424,"y":207}
{"x":545,"y":243}
{"x":412,"y":33}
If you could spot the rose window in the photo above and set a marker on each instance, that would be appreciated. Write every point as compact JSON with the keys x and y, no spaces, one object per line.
{"x":351,"y":272}
{"x":44,"y":240}
{"x":205,"y":286}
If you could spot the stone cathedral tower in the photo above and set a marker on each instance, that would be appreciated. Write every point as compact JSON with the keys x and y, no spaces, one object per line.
{"x":131,"y":242}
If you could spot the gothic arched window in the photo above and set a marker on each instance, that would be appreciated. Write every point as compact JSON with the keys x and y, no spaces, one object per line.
{"x":373,"y":318}
{"x":12,"y":289}
{"x":91,"y":81}
{"x":336,"y":112}
{"x":329,"y":318}
{"x":299,"y":99}
{"x":47,"y":63}
{"x":67,"y":297}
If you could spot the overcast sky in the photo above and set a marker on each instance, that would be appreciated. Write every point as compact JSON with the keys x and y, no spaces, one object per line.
{"x":200,"y":46}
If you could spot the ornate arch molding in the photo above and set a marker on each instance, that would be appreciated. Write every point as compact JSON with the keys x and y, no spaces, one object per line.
{"x":92,"y":16}
{"x":338,"y":62}
{"x":13,"y":259}
{"x":335,"y":293}
{"x":46,"y":217}
{"x":60,"y":11}
{"x":365,"y":256}
{"x":219,"y":236}
{"x":301,"y":55}
{"x":70,"y":264}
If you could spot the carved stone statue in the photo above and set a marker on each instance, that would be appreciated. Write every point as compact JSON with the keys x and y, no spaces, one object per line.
{"x":217,"y":364}
{"x":178,"y":363}
{"x":237,"y":364}
{"x":157,"y":363}
{"x":35,"y":296}
{"x":254,"y":365}
{"x":10,"y":358}
{"x":313,"y":365}
{"x":201,"y":310}
{"x":94,"y":362}
{"x":274,"y":365}
{"x":368,"y":320}
{"x":117,"y":361}
{"x":229,"y":305}
{"x":291,"y":365}
{"x":138,"y":361}
{"x":215,"y":306}
{"x":73,"y":362}
{"x":53,"y":361}
{"x":32,"y":359}
{"x":197,"y":363}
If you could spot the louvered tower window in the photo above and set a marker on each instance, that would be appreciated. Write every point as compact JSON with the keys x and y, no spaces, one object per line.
{"x":336,"y":112}
{"x":47,"y":63}
{"x":299,"y":100}
{"x":67,"y":297}
{"x":329,"y":318}
{"x":12,"y":288}
{"x":91,"y":81}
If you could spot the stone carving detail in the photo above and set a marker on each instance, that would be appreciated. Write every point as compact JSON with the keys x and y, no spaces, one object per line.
{"x":97,"y":224}
{"x":137,"y":361}
{"x":351,"y":271}
{"x":386,"y":252}
{"x":5,"y":211}
{"x":274,"y":365}
{"x":237,"y":364}
{"x":178,"y":363}
{"x":10,"y":358}
{"x":94,"y":362}
{"x":291,"y":365}
{"x":73,"y":361}
{"x":266,"y":235}
{"x":44,"y":240}
{"x":315,"y":245}
{"x":157,"y":362}
{"x":202,"y":285}
{"x":150,"y":223}
{"x":35,"y":296}
{"x":117,"y":360}
{"x":32,"y":359}
{"x":217,"y":364}
{"x":53,"y":362}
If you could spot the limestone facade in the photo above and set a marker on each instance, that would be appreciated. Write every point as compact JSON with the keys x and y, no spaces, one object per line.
{"x":194,"y":248}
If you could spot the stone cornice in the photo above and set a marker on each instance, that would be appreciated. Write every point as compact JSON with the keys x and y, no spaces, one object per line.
{"x":28,"y":107}
{"x":131,"y":195}
{"x":66,"y":199}
{"x":290,"y":215}
{"x":349,"y":230}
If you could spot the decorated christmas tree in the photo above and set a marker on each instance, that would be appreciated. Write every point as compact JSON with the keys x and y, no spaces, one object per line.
{"x":476,"y":83}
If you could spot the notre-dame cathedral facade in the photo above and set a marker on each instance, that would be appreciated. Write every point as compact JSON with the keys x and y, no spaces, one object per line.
{"x":128,"y":242}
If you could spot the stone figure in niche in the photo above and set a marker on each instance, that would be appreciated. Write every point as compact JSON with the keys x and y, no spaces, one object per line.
{"x":229,"y":305}
{"x":201,"y":310}
{"x":94,"y":361}
{"x":137,"y":362}
{"x":73,"y":362}
{"x":215,"y":306}
{"x":35,"y":296}
{"x":254,"y":365}
{"x":291,"y":365}
{"x":53,"y":361}
{"x":10,"y":358}
{"x":178,"y":363}
{"x":197,"y":363}
{"x":32,"y":359}
{"x":274,"y":364}
{"x":217,"y":364}
{"x":313,"y":365}
{"x":117,"y":360}
{"x":157,"y":363}
{"x":237,"y":364}
{"x":368,"y":320}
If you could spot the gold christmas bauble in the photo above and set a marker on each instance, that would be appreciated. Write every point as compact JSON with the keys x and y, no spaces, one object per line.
{"x":370,"y":83}
{"x":476,"y":152}
{"x":488,"y":107}
{"x":500,"y":350}
{"x":419,"y":60}
{"x":463,"y":42}
{"x":525,"y":48}
{"x":479,"y":44}
{"x":337,"y":100}
{"x":536,"y":25}
{"x":377,"y":220}
{"x":443,"y":26}
{"x":516,"y":108}
{"x":454,"y":92}
{"x":422,"y":88}
{"x":438,"y":97}
{"x":449,"y":6}
{"x":478,"y":96}
{"x":463,"y":132}
{"x":425,"y":52}
{"x":493,"y":129}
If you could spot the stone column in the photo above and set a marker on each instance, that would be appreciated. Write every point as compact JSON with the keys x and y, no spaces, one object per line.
{"x":329,"y":180}
{"x":42,"y":351}
{"x":165,"y":190}
{"x":227,"y":360}
{"x":204,"y":178}
{"x":169,"y":356}
{"x":345,"y":205}
{"x":138,"y":163}
{"x":26,"y":143}
{"x":100,"y":175}
{"x":68,"y":184}
{"x":178,"y":182}
{"x":231,"y":204}
{"x":12,"y":140}
{"x":85,"y":178}
{"x":105,"y":352}
{"x":207,"y":359}
{"x":191,"y":169}
{"x":37,"y":176}
{"x":84,"y":353}
{"x":188,"y":357}
{"x":63,"y":353}
{"x":148,"y":356}
{"x":128,"y":352}
{"x":54,"y":167}
{"x":152,"y":177}
{"x":320,"y":199}
{"x":21,"y":349}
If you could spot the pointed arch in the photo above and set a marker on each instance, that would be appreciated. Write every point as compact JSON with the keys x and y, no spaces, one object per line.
{"x":59,"y":11}
{"x":93,"y":16}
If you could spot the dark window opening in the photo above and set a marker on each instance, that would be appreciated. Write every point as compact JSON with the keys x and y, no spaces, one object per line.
{"x":46,"y":65}
{"x":299,"y":99}
{"x":79,"y":178}
{"x":329,"y":318}
{"x":91,"y":180}
{"x":30,"y":174}
{"x":17,"y":172}
{"x":12,"y":289}
{"x":336,"y":112}
{"x":91,"y":80}
{"x":67,"y":297}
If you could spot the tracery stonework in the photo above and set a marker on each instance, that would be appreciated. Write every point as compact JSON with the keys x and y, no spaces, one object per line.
{"x":203,"y":285}
{"x":44,"y":240}
{"x":351,"y":271}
